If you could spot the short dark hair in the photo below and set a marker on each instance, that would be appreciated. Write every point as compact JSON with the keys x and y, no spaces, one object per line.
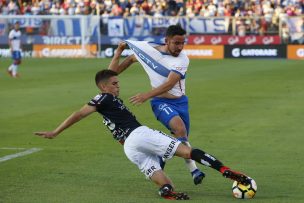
{"x":104,"y":75}
{"x":173,"y":30}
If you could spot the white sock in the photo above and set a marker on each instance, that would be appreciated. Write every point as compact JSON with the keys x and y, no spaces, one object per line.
{"x":10,"y":68}
{"x":189,"y":162}
{"x":15,"y":70}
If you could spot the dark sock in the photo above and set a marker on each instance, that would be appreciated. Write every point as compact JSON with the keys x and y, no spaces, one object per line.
{"x":206,"y":159}
{"x":165,"y":189}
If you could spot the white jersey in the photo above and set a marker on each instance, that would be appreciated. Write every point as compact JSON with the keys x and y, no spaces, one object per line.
{"x":15,"y":38}
{"x":158,"y":65}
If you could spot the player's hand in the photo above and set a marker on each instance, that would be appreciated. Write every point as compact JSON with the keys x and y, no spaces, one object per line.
{"x":122,"y":46}
{"x":49,"y":135}
{"x":138,"y":99}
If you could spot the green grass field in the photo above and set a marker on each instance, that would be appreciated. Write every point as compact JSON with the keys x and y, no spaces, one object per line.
{"x":248,"y":113}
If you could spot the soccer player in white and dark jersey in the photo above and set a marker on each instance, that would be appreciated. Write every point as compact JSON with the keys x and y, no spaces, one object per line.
{"x":14,"y":40}
{"x":169,"y":101}
{"x":142,"y":145}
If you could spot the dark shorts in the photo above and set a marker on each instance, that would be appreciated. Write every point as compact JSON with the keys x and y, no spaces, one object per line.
{"x":16,"y":55}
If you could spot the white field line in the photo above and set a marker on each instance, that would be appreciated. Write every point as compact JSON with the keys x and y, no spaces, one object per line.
{"x":13,"y":148}
{"x":24,"y":153}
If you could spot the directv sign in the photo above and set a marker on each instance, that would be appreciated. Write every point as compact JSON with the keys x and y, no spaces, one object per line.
{"x":256,"y":51}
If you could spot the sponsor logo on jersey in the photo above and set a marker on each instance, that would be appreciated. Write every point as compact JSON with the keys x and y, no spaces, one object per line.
{"x":149,"y":61}
{"x":169,"y":149}
{"x":162,"y":106}
{"x":97,"y":97}
{"x":150,"y":171}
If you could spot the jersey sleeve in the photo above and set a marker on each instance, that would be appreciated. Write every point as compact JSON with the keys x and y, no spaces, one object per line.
{"x":11,"y":35}
{"x":98,"y":100}
{"x":181,"y":65}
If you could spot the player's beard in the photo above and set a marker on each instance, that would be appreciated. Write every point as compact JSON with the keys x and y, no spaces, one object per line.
{"x":175,"y":53}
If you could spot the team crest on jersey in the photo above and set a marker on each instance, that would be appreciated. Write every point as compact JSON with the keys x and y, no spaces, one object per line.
{"x":97,"y":97}
{"x":109,"y":124}
{"x":162,"y":106}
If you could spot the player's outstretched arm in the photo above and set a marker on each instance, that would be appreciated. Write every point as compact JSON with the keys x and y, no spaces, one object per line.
{"x":140,"y":98}
{"x":115,"y":66}
{"x":73,"y":118}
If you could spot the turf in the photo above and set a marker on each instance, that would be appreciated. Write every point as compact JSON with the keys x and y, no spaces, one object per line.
{"x":248,"y":113}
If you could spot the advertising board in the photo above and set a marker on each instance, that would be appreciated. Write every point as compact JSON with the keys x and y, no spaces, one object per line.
{"x":64,"y":51}
{"x":255,"y":51}
{"x":205,"y":51}
{"x":295,"y":52}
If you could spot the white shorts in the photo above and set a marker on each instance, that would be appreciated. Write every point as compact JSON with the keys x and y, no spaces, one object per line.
{"x":145,"y":146}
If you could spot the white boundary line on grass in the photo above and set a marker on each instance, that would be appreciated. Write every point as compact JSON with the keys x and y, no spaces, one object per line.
{"x":13,"y":148}
{"x":19,"y":154}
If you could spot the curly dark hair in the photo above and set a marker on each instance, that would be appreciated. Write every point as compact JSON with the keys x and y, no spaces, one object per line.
{"x":173,"y":30}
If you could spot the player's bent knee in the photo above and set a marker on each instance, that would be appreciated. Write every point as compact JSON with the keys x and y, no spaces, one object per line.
{"x":178,"y":127}
{"x":179,"y":131}
{"x":183,"y":151}
{"x":17,"y":62}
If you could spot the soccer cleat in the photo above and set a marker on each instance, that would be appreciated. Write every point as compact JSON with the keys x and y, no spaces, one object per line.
{"x":176,"y":196}
{"x":237,"y":176}
{"x":197,"y":176}
{"x":167,"y":192}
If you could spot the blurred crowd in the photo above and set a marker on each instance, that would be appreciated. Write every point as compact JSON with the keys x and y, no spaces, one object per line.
{"x":156,"y":8}
{"x":252,"y":16}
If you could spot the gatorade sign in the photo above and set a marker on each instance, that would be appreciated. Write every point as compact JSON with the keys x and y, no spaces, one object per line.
{"x":295,"y":52}
{"x":255,"y":51}
{"x":204,"y":51}
{"x":64,"y":51}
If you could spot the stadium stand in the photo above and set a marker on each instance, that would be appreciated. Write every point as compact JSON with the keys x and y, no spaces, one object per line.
{"x":271,"y":9}
{"x":247,"y":12}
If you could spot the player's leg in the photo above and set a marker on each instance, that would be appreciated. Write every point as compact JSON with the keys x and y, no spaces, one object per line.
{"x":156,"y":144}
{"x":13,"y":69}
{"x":160,"y":178}
{"x":178,"y":127}
{"x":17,"y":62}
{"x":10,"y":70}
{"x":210,"y":161}
{"x":143,"y":147}
{"x":183,"y":110}
{"x":166,"y":189}
{"x":168,"y":112}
